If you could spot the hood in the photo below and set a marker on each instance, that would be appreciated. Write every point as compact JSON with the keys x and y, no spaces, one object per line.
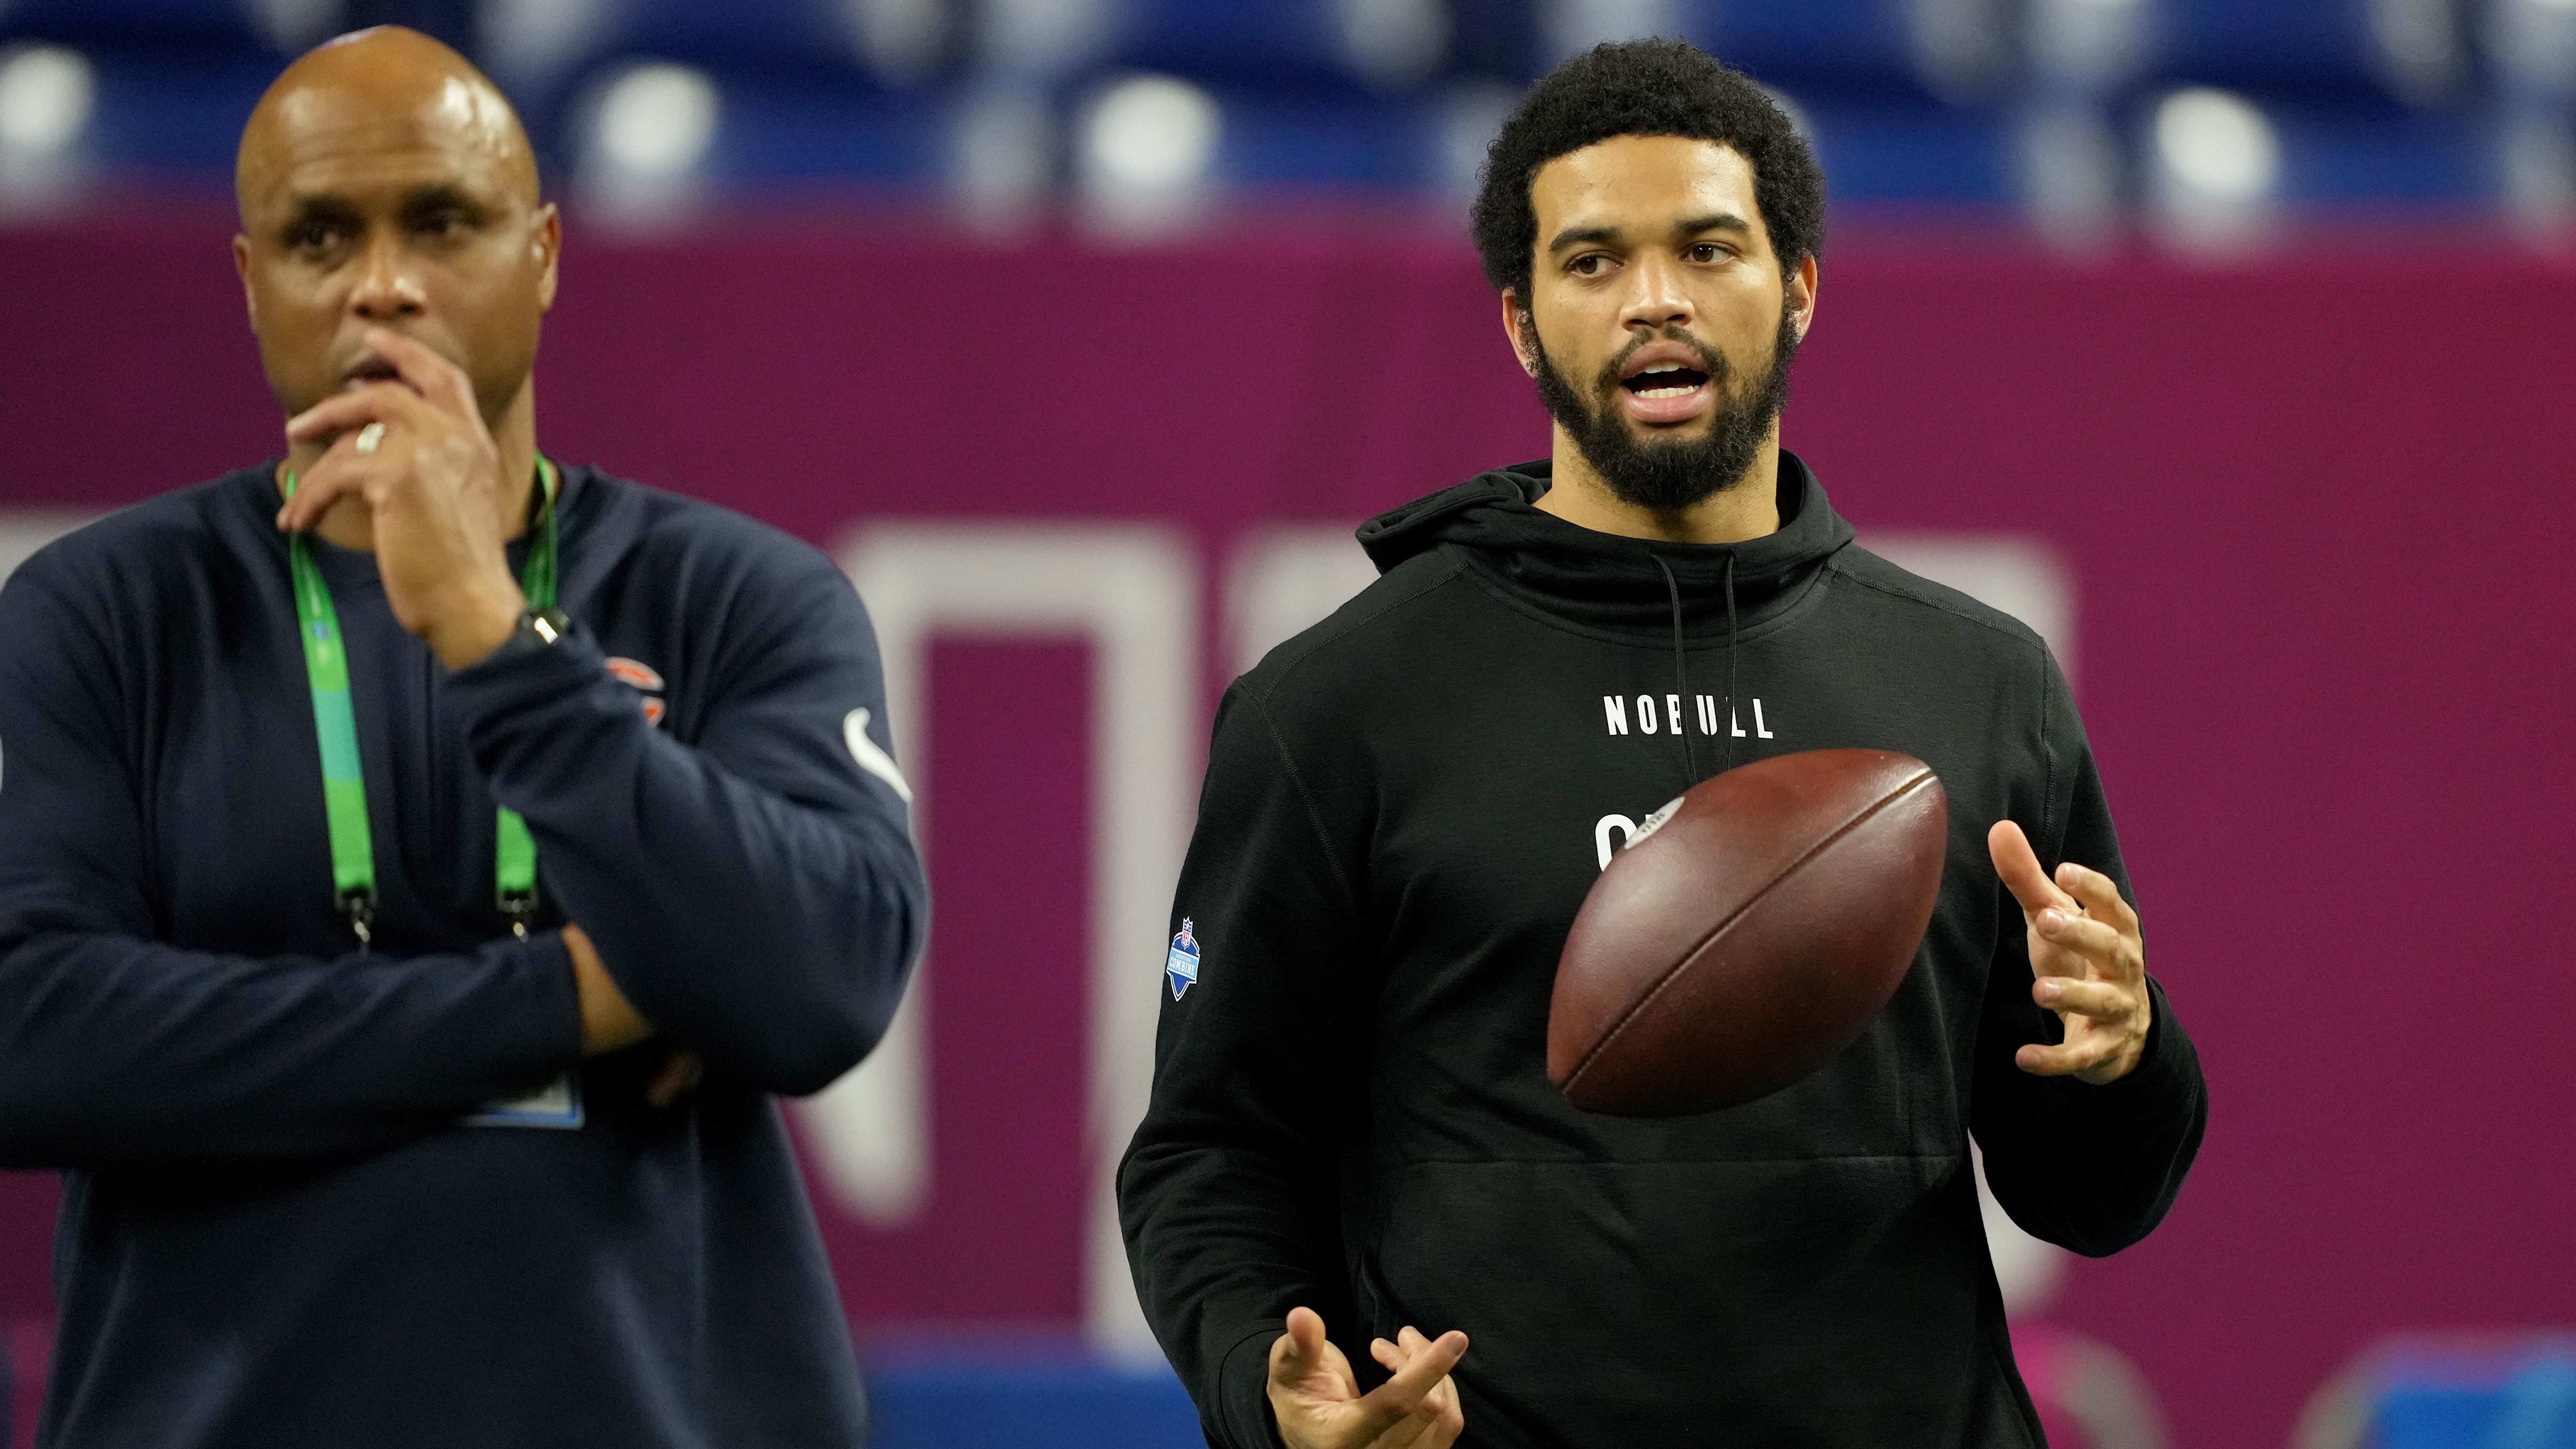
{"x":1605,"y":580}
{"x":1631,"y":587}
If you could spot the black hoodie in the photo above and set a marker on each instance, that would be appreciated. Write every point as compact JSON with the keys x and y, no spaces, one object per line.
{"x":1404,"y":807}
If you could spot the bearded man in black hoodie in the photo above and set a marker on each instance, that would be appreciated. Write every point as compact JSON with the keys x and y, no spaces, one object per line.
{"x":1352,"y":1132}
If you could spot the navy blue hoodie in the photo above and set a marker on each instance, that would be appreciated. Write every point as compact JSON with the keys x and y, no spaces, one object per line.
{"x":278,"y":1228}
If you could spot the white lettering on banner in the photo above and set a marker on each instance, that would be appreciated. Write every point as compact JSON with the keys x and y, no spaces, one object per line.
{"x":1133,"y":593}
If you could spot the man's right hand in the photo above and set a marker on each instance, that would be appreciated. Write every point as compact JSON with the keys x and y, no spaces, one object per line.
{"x":1319,"y":1405}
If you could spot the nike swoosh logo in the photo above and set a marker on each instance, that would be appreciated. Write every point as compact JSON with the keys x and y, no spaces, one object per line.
{"x":854,"y":729}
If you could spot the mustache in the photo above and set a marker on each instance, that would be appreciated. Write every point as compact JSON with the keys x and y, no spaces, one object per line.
{"x":1711,"y":361}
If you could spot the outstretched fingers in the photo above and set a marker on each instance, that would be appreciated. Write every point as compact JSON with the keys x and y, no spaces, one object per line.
{"x":2099,"y":1000}
{"x":2086,"y":937}
{"x":1446,"y":1416}
{"x":1409,"y":1395}
{"x":2019,"y":868}
{"x":2099,"y":895}
{"x":2065,"y":1060}
{"x":1299,"y":1349}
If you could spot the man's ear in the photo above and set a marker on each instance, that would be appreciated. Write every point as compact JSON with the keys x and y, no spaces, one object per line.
{"x":1522,"y":329}
{"x":545,"y":241}
{"x":241,"y":269}
{"x":1802,"y":295}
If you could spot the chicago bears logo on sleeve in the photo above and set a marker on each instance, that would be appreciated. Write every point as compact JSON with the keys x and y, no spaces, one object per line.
{"x":646,"y":681}
{"x":1183,"y":964}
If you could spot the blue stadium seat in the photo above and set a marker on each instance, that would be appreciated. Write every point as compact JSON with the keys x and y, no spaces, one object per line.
{"x":1308,"y":100}
{"x":813,"y":37}
{"x":1342,"y":143}
{"x":1936,"y":156}
{"x":828,"y":134}
{"x":805,"y":94}
{"x":172,"y":80}
{"x":2313,"y":48}
{"x":2504,"y":1399}
{"x":776,"y":131}
{"x":1496,"y":39}
{"x":2381,"y":157}
{"x":1873,"y":48}
{"x":1877,"y":90}
{"x":1286,"y":44}
{"x":160,"y":114}
{"x":141,"y":24}
{"x":1265,"y":42}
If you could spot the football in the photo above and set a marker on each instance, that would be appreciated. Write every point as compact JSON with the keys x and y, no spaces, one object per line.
{"x":1747,"y":932}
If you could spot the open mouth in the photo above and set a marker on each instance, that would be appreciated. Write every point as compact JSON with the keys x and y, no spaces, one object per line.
{"x":1665,"y":380}
{"x":371,"y":369}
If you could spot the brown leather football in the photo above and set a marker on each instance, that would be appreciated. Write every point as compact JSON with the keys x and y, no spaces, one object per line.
{"x":1747,"y":933}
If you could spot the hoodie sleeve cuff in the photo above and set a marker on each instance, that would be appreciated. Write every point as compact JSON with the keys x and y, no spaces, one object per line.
{"x":1242,"y":1410}
{"x":2166,"y":1066}
{"x":532,"y":705}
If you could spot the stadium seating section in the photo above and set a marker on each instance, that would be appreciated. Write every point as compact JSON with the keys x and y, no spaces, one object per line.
{"x":2458,"y":109}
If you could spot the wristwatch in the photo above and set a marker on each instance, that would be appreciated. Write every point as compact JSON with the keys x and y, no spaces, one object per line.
{"x":538,"y":629}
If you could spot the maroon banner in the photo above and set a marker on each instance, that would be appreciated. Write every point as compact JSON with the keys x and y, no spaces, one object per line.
{"x":2307,"y":519}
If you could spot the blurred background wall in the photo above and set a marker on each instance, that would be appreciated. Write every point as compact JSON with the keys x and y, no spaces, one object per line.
{"x":2232,"y":344}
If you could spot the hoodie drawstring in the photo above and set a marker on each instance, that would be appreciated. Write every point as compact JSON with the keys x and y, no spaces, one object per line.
{"x":1681,"y":669}
{"x":1729,"y":723}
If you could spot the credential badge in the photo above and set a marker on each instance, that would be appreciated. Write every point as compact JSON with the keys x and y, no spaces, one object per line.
{"x":1183,"y":964}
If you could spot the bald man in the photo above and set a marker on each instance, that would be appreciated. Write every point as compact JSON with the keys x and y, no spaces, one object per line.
{"x":422,"y":867}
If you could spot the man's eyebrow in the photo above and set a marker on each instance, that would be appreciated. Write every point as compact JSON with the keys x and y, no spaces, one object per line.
{"x":1714,"y":221}
{"x":318,"y":206}
{"x":437,"y":194}
{"x":1687,"y":226}
{"x":1579,"y":235}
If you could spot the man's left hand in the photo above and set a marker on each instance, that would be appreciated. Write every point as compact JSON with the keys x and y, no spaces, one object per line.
{"x":2090,"y":963}
{"x":433,"y":486}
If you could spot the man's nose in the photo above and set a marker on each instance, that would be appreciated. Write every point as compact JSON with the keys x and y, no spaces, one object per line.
{"x":1656,"y":299}
{"x":388,"y":287}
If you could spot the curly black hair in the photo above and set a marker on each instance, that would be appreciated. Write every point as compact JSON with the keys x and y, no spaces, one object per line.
{"x":1644,"y":88}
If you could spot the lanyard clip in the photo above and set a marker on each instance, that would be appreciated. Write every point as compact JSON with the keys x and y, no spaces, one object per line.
{"x":521,"y":908}
{"x":358,"y":908}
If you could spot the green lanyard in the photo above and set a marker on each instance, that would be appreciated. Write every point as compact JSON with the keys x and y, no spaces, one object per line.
{"x":344,"y":783}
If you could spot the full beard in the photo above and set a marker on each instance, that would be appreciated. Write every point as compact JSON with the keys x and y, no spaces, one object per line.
{"x":1667,"y":477}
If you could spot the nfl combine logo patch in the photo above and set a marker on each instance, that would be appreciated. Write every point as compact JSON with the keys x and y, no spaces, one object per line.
{"x":1183,"y":964}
